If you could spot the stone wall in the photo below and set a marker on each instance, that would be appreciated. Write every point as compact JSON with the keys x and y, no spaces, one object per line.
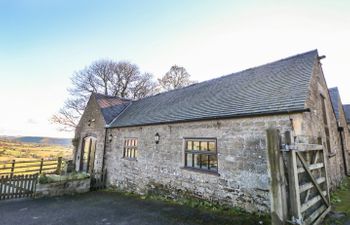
{"x":346,"y":136}
{"x":62,"y":188}
{"x":96,"y":129}
{"x":242,"y":178}
{"x":307,"y":127}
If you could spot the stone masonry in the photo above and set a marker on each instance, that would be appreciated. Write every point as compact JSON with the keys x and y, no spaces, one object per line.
{"x":312,"y":125}
{"x":242,"y":178}
{"x":96,"y":129}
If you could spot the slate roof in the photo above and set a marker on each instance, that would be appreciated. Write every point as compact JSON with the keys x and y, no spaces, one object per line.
{"x":335,"y":96}
{"x":347,"y":113}
{"x":277,"y":87}
{"x":111,"y":106}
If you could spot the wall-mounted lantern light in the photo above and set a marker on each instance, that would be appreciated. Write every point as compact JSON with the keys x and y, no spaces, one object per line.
{"x":110,"y":137}
{"x":157,"y":138}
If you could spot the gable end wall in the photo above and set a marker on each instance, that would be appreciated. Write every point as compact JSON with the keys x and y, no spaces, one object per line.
{"x":307,"y":127}
{"x":97,"y":130}
{"x":346,"y":135}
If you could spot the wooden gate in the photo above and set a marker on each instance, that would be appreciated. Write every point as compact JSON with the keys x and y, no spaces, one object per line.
{"x":301,"y":171}
{"x":98,"y":180}
{"x":17,"y":186}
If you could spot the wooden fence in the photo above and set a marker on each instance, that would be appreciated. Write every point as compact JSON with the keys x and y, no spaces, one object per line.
{"x":30,"y":167}
{"x":17,"y":186}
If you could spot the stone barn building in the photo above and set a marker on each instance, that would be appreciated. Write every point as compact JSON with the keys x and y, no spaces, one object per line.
{"x":208,"y":140}
{"x":344,"y":132}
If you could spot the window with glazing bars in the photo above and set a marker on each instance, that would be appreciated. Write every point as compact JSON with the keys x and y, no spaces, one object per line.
{"x":201,"y":154}
{"x":130,"y":148}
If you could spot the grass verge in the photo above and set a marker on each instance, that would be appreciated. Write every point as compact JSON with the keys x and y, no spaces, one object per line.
{"x":340,"y":205}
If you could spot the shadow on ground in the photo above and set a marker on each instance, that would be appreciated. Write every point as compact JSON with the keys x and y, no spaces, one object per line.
{"x":109,"y":208}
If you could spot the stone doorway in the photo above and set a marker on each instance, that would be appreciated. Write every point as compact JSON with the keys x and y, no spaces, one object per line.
{"x":88,"y":154}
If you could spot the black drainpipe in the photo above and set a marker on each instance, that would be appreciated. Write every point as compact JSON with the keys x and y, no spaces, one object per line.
{"x":341,"y":130}
{"x":104,"y":151}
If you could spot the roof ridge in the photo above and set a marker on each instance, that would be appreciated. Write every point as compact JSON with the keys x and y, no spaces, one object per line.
{"x":111,"y":96}
{"x":269,"y":63}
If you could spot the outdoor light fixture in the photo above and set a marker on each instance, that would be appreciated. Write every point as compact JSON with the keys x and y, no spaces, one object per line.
{"x":110,"y":137}
{"x":157,"y":138}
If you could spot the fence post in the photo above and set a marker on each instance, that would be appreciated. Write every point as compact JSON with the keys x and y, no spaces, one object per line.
{"x":278,"y":216}
{"x":41,"y":166}
{"x":13,"y":167}
{"x":59,"y":164}
{"x":294,"y":194}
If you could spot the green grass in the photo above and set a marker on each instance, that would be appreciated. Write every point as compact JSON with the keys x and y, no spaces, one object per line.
{"x":340,"y":203}
{"x":10,"y":150}
{"x":25,"y":152}
{"x":341,"y":198}
{"x":53,"y":178}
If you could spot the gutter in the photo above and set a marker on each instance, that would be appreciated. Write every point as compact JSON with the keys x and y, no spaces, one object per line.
{"x":104,"y":151}
{"x":212,"y":118}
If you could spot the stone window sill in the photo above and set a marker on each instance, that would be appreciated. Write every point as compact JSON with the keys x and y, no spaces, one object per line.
{"x":130,"y":159}
{"x":201,"y":171}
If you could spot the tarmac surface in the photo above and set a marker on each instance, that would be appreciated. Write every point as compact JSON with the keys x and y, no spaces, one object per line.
{"x":104,"y":208}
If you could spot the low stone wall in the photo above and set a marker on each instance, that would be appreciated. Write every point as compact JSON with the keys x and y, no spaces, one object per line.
{"x":62,"y":188}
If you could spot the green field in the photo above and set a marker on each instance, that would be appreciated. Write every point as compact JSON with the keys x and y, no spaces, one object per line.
{"x":10,"y":150}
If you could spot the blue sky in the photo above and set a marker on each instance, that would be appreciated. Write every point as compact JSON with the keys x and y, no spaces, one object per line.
{"x":42,"y":42}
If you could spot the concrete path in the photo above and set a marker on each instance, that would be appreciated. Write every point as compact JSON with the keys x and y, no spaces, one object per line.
{"x":106,"y":208}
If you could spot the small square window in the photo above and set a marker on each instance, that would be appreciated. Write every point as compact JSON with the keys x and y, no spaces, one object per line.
{"x":130,"y":148}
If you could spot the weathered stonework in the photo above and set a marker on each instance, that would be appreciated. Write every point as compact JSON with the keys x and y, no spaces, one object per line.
{"x":345,"y":135}
{"x":346,"y":138}
{"x":96,"y":129}
{"x":62,"y":188}
{"x":242,"y":178}
{"x":309,"y":126}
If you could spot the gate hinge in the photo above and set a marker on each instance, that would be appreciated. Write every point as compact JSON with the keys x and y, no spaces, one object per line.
{"x":296,"y":221}
{"x":285,"y":148}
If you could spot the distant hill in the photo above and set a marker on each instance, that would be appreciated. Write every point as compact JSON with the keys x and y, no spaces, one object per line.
{"x":41,"y":140}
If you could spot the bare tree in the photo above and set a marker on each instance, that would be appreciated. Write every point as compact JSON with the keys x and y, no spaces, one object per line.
{"x":176,"y":77}
{"x":120,"y":79}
